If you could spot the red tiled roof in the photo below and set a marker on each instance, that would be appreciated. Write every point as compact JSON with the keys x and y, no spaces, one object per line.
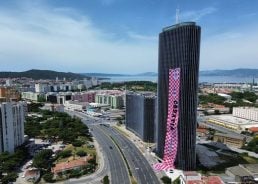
{"x":68,"y":165}
{"x":214,"y":180}
{"x":202,"y":130}
{"x":253,"y":129}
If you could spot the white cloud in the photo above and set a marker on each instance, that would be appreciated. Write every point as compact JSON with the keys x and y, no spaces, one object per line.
{"x":196,"y":15}
{"x":231,"y":50}
{"x":137,"y":36}
{"x":63,"y":40}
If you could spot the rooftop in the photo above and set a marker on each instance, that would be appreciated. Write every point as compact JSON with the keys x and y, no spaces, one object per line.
{"x":238,"y":171}
{"x":69,"y":165}
{"x":178,"y":25}
{"x":233,"y":136}
{"x":232,"y":119}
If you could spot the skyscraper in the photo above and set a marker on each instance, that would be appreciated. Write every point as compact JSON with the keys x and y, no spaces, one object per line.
{"x":179,"y":48}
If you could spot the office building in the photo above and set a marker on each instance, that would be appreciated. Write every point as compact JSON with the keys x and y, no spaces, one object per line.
{"x":12,"y":117}
{"x":179,"y":47}
{"x":140,"y":115}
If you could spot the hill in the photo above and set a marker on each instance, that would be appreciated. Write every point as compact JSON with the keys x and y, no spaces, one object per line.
{"x":240,"y":72}
{"x":41,"y":74}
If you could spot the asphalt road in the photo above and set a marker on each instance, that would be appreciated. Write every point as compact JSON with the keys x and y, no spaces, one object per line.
{"x":119,"y":173}
{"x":139,"y":166}
{"x":117,"y":166}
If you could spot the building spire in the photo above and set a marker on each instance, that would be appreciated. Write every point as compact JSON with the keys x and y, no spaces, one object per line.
{"x":177,"y":14}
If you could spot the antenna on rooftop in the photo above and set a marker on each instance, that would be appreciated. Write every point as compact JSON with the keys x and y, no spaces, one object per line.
{"x":177,"y":15}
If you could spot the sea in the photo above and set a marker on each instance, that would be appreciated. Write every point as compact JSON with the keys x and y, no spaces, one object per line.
{"x":202,"y":79}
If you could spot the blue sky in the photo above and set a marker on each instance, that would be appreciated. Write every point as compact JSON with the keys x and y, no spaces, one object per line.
{"x":121,"y":36}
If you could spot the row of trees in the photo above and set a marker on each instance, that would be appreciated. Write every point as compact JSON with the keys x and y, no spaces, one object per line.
{"x":10,"y":162}
{"x":131,"y":85}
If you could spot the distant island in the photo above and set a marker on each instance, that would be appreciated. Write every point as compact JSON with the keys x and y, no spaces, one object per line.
{"x":42,"y":74}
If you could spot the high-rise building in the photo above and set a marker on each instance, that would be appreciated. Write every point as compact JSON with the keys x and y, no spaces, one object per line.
{"x":12,"y":117}
{"x":140,"y":114}
{"x":179,"y":47}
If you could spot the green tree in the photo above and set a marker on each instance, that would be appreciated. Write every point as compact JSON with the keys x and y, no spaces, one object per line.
{"x":81,"y":153}
{"x":166,"y":180}
{"x":42,"y":159}
{"x":106,"y":180}
{"x":48,"y":177}
{"x":10,"y":177}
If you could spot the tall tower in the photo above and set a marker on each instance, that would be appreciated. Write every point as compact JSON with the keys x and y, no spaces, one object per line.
{"x":179,"y":47}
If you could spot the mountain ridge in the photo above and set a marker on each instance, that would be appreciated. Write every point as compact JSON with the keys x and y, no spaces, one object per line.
{"x":41,"y":74}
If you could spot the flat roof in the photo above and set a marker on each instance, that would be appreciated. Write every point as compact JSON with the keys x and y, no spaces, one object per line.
{"x":178,"y":25}
{"x":232,"y":119}
{"x":238,"y":171}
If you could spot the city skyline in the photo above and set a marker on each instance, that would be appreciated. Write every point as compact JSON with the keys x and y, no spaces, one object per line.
{"x":71,"y":35}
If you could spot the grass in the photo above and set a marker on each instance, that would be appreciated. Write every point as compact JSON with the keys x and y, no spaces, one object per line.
{"x":91,"y":151}
{"x":251,"y":160}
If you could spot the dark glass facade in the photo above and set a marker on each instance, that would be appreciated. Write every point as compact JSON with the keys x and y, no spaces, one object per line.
{"x":179,"y":46}
{"x":140,"y":115}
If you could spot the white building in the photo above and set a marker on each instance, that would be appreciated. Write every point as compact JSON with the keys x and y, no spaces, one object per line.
{"x":11,"y":126}
{"x":42,"y":88}
{"x":249,"y":113}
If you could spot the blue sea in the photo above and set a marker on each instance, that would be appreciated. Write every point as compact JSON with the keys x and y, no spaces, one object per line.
{"x":209,"y":79}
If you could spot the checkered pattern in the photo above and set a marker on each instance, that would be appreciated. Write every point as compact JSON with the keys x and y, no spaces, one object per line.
{"x":171,"y":141}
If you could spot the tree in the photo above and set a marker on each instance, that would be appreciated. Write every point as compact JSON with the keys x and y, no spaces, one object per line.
{"x":106,"y":180}
{"x":10,"y":177}
{"x":166,"y":180}
{"x":48,"y":177}
{"x":81,"y":153}
{"x":42,"y":159}
{"x":64,"y":154}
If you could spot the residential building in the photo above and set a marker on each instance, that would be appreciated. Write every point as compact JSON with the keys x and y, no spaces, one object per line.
{"x":115,"y":100}
{"x":70,"y":165}
{"x":11,"y":126}
{"x":35,"y":97}
{"x":140,"y":115}
{"x":42,"y":88}
{"x":88,"y":96}
{"x":230,"y":140}
{"x":192,"y":177}
{"x":8,"y":94}
{"x":179,"y":47}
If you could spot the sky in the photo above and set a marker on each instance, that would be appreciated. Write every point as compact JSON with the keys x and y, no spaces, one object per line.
{"x":121,"y":36}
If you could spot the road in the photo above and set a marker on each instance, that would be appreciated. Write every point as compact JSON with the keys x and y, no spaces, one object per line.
{"x":117,"y":166}
{"x":139,"y":166}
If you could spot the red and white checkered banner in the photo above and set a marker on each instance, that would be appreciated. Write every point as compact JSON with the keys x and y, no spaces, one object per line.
{"x":171,"y":141}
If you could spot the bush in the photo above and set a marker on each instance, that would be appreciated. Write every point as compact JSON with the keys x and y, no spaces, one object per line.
{"x":10,"y":177}
{"x":64,"y":154}
{"x":106,"y":180}
{"x":166,"y":180}
{"x":48,"y":177}
{"x":77,"y":143}
{"x":81,"y":153}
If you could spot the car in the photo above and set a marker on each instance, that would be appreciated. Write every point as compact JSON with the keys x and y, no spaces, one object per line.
{"x":110,"y":147}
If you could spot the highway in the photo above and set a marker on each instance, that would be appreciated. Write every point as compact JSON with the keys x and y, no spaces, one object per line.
{"x":116,"y":164}
{"x":139,"y":166}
